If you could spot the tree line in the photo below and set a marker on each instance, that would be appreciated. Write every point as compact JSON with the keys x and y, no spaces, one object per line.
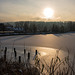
{"x":54,"y":28}
{"x":28,"y":27}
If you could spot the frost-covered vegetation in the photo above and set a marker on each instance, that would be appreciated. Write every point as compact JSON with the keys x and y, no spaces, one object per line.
{"x":38,"y":27}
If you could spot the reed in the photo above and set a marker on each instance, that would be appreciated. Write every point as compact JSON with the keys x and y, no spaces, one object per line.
{"x":57,"y":65}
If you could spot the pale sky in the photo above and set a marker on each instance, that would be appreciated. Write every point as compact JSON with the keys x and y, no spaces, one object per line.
{"x":32,"y":10}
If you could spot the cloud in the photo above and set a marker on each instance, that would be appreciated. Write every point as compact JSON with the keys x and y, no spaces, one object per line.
{"x":58,"y":18}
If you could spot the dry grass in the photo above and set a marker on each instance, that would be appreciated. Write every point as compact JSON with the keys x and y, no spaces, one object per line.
{"x":15,"y":68}
{"x":57,"y":66}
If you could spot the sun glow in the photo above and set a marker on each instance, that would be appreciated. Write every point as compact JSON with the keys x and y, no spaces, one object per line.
{"x":48,"y":13}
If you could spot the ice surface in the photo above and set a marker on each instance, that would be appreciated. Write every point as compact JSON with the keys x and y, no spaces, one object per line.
{"x":46,"y":45}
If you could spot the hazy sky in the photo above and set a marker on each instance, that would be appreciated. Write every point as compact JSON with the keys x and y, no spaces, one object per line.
{"x":32,"y":10}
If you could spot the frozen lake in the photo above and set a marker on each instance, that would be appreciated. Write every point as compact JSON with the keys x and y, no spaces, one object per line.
{"x":45,"y":44}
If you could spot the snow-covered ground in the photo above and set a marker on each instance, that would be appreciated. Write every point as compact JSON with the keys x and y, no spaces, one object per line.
{"x":45,"y":44}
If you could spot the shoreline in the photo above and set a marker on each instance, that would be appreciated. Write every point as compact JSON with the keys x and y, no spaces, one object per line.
{"x":15,"y":34}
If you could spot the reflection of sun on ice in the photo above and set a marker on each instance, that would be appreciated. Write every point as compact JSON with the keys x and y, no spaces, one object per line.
{"x":43,"y":53}
{"x":48,"y":13}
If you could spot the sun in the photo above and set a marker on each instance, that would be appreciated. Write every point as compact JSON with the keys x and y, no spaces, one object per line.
{"x":48,"y":13}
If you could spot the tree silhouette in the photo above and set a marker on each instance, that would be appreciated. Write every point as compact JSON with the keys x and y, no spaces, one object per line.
{"x":45,"y":29}
{"x":26,"y":28}
{"x":2,"y":27}
{"x":55,"y":28}
{"x":34,"y":28}
{"x":62,"y":29}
